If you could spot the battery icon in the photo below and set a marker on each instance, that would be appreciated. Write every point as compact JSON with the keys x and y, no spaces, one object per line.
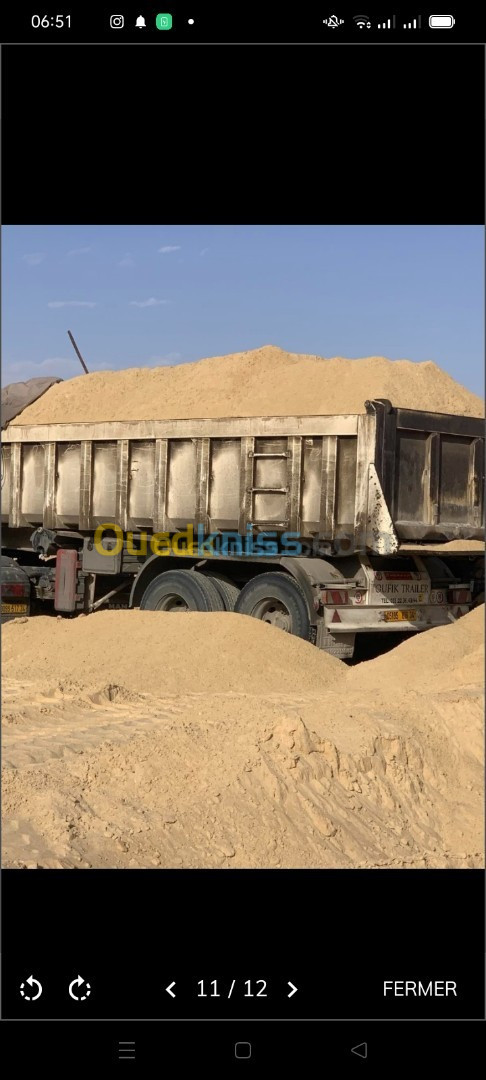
{"x":441,"y":22}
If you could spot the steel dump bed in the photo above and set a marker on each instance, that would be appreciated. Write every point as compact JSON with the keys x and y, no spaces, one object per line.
{"x":380,"y":478}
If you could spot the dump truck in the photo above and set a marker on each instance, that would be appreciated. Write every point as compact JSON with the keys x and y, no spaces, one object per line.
{"x":327,"y":526}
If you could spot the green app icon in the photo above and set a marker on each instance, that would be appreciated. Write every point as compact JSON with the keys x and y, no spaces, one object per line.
{"x":163,"y":22}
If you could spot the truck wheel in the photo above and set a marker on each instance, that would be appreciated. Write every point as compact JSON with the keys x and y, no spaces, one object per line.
{"x":181,"y":590}
{"x":277,"y":599}
{"x":228,"y":592}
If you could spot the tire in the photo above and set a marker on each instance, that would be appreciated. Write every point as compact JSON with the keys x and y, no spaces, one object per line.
{"x":278,"y":599}
{"x":181,"y":590}
{"x":228,"y":592}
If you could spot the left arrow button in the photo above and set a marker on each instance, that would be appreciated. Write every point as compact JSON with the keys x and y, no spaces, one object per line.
{"x":169,"y":989}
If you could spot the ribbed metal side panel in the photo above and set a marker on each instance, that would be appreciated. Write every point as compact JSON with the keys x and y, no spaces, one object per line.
{"x":304,"y":474}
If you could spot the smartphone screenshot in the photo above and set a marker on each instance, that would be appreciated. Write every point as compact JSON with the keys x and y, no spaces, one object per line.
{"x":242,"y":523}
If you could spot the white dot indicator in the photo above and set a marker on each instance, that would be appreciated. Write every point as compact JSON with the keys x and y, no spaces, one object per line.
{"x":191,"y":22}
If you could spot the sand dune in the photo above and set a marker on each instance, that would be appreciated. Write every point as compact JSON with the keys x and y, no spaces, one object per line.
{"x":265,"y":381}
{"x":141,"y":739}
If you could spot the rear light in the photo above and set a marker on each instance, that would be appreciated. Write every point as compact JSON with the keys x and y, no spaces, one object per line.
{"x":459,"y":596}
{"x":335,"y":596}
{"x":11,"y":588}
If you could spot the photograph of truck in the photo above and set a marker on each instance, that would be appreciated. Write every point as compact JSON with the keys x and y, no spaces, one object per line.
{"x":148,"y":719}
{"x":369,"y":501}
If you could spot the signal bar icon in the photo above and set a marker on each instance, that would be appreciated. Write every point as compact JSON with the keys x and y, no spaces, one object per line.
{"x":389,"y":24}
{"x":415,"y":25}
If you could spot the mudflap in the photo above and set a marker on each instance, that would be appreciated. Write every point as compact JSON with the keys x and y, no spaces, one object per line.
{"x":66,"y":579}
{"x":340,"y":645}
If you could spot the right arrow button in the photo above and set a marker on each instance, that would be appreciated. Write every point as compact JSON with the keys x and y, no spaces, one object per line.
{"x":293,"y":989}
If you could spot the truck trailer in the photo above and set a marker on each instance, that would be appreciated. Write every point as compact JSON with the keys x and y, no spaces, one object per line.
{"x":326,"y":526}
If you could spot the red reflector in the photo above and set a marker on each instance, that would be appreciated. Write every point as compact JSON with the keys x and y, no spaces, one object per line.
{"x":460,"y":596}
{"x":335,"y":596}
{"x":336,"y":617}
{"x":11,"y":588}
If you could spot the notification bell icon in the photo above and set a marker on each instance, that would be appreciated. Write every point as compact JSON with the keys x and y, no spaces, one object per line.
{"x":140,"y":23}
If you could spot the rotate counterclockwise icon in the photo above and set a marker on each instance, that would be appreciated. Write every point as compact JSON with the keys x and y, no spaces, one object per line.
{"x":83,"y":993}
{"x":31,"y":996}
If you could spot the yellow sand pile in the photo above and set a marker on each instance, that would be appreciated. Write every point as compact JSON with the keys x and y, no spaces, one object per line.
{"x":135,"y":739}
{"x":179,"y":654}
{"x":265,"y":381}
{"x":446,"y":655}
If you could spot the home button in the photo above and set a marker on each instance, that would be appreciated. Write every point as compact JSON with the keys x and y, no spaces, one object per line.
{"x":243,"y":1050}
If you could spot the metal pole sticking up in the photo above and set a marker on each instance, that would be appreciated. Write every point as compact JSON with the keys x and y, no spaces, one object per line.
{"x":78,"y":354}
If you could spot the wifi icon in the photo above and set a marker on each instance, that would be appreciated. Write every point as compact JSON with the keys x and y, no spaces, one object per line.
{"x":362,"y":21}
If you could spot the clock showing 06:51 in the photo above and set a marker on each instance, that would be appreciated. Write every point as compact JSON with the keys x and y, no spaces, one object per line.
{"x":56,"y":22}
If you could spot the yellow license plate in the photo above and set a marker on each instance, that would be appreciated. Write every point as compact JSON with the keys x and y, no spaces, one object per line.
{"x":400,"y":616}
{"x":14,"y":609}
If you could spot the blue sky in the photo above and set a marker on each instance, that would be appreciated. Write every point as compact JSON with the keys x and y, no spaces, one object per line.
{"x":136,"y":295}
